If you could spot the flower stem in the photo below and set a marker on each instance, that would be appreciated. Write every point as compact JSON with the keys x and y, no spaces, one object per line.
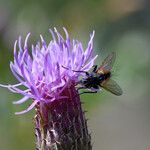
{"x":61,"y":124}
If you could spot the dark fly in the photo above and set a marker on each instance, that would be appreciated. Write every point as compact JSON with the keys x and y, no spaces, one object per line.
{"x":100,"y":77}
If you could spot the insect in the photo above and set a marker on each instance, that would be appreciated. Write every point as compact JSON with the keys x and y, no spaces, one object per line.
{"x":100,"y":77}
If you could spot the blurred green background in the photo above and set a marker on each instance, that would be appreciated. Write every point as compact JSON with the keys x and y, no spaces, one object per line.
{"x":116,"y":123}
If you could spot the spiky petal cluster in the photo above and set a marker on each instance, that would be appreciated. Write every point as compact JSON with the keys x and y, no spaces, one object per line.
{"x":44,"y":68}
{"x":47,"y":73}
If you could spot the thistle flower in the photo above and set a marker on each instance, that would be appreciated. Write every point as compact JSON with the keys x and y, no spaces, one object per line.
{"x":47,"y":74}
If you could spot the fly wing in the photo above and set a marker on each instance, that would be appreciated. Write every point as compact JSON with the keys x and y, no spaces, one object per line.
{"x":107,"y":63}
{"x":111,"y":86}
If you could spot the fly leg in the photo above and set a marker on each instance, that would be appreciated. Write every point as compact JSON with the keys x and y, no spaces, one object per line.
{"x":87,"y":92}
{"x":79,"y":88}
{"x":94,"y":68}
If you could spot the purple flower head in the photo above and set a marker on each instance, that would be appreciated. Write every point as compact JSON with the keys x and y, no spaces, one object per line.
{"x":47,"y":69}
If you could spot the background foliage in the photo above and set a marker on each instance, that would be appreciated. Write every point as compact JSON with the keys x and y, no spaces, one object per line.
{"x":117,"y":123}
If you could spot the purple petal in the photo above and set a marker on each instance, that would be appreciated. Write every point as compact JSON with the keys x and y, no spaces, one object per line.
{"x":21,"y":100}
{"x":88,"y":66}
{"x":28,"y":109}
{"x":26,"y":40}
{"x":88,"y":51}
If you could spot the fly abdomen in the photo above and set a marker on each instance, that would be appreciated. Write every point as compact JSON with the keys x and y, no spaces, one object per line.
{"x":107,"y":75}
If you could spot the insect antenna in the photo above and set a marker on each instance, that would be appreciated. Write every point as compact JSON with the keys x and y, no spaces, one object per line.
{"x":79,"y":71}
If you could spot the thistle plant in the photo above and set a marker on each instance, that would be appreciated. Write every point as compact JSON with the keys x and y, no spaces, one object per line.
{"x":47,"y":73}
